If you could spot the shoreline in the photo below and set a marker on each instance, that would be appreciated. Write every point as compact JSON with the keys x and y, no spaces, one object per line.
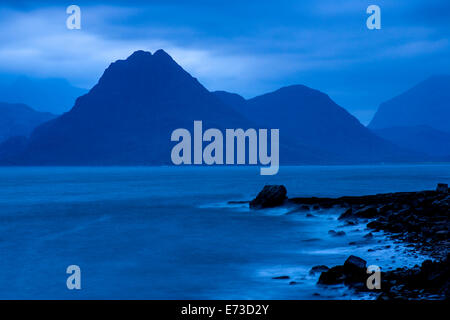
{"x":418,"y":219}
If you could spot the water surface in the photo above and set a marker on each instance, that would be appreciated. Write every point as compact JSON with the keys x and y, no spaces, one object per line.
{"x":168,"y":232}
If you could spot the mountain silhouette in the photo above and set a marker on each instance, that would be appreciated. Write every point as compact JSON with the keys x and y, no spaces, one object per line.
{"x":423,"y":139}
{"x":127,"y":119}
{"x":52,"y":95}
{"x":19,"y":120}
{"x":313,"y":119}
{"x":418,"y":119}
{"x":426,"y":104}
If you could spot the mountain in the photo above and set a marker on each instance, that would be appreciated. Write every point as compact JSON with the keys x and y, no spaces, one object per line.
{"x":47,"y":95}
{"x":127,"y":119}
{"x":231,"y":99}
{"x":426,"y":104}
{"x":423,"y":139}
{"x":310,"y":117}
{"x":19,"y":120}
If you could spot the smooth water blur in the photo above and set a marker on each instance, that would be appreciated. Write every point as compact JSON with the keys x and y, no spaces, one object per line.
{"x":168,"y":232}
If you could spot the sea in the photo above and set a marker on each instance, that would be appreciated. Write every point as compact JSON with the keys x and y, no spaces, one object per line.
{"x":172,"y":233}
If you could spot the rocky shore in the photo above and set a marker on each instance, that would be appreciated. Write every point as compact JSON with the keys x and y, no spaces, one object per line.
{"x":420,"y":219}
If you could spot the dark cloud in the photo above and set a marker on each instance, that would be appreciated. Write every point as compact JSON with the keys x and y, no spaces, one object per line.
{"x":244,"y":46}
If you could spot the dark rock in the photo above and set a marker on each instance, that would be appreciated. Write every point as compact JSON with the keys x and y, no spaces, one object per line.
{"x":269,"y":197}
{"x":430,"y":280}
{"x":353,"y":272}
{"x":281,"y":278}
{"x":334,"y":275}
{"x":377,"y":225}
{"x":355,"y":263}
{"x":369,"y":212}
{"x":238,"y":202}
{"x":442,"y":188}
{"x":336,"y":234}
{"x":369,"y":235}
{"x":347,"y":214}
{"x":317,"y":269}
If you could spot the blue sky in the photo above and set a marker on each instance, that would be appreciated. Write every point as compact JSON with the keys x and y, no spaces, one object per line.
{"x":247,"y":47}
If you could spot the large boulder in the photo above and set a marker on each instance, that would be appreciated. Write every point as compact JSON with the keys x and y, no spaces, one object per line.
{"x":269,"y":197}
{"x":355,"y":264}
{"x":353,"y":273}
{"x":442,"y":188}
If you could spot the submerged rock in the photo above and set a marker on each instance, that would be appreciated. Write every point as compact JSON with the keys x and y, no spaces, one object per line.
{"x":336,"y":234}
{"x":317,"y":269}
{"x":369,"y":235}
{"x":269,"y":197}
{"x":281,"y":278}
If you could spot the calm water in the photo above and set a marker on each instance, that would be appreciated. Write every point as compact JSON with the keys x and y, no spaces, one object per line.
{"x":168,"y":233}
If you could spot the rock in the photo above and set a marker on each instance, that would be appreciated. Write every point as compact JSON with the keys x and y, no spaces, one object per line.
{"x":347,"y":214}
{"x":317,"y":269}
{"x":269,"y":197}
{"x":353,"y":273}
{"x":281,"y":278}
{"x":428,"y":281}
{"x":369,"y":235}
{"x":292,"y":283}
{"x":336,"y":234}
{"x":334,"y":275}
{"x":355,"y":263}
{"x":369,"y":212}
{"x":442,"y":188}
{"x":377,"y":225}
{"x":237,"y":202}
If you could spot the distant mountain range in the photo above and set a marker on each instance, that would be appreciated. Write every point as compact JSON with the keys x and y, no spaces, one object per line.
{"x":19,"y":120}
{"x":418,"y":119}
{"x":46,"y":95}
{"x":309,"y":116}
{"x":128,"y":116}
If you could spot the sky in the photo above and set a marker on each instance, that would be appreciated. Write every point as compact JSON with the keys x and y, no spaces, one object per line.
{"x":246,"y":47}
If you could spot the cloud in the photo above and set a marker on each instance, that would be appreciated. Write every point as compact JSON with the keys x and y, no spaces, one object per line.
{"x":245,"y":47}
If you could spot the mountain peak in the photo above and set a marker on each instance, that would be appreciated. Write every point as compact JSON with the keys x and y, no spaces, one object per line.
{"x":161,"y":53}
{"x":139,"y":54}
